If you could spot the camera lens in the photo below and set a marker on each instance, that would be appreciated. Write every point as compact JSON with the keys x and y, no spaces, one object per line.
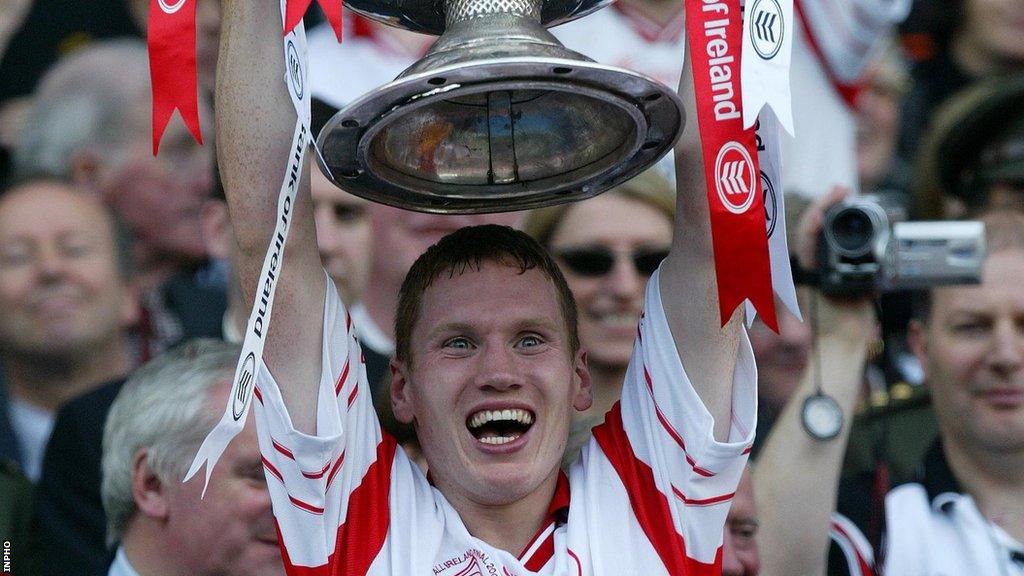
{"x":852,"y":232}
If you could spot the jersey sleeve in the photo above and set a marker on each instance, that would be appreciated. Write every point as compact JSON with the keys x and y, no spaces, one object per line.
{"x":660,"y":440}
{"x":318,"y":483}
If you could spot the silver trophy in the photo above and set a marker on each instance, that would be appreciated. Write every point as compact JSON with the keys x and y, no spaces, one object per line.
{"x":498,"y":115}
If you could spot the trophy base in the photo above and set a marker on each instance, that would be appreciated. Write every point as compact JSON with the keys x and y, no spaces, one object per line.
{"x":500,"y":134}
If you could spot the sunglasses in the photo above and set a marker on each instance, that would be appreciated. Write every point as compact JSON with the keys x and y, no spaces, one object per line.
{"x":598,"y":261}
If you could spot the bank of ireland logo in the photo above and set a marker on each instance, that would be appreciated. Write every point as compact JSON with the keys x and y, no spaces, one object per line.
{"x":245,"y":382}
{"x":771,"y":204}
{"x":172,"y":6}
{"x":734,"y":177}
{"x":767,"y":28}
{"x":295,"y":68}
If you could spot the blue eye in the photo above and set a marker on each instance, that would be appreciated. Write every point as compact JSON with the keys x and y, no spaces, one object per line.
{"x":530,"y":341}
{"x":458,"y":343}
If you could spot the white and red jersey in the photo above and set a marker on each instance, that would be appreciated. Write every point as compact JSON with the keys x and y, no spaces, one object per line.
{"x":834,"y":42}
{"x":369,"y":58}
{"x":648,"y":495}
{"x":622,"y":36}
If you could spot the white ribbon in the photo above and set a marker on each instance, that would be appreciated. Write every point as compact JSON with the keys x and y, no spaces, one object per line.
{"x":768,"y":30}
{"x":240,"y":400}
{"x":769,"y":155}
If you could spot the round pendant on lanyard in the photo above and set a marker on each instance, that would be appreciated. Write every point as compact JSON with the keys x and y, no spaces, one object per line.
{"x":821,"y":416}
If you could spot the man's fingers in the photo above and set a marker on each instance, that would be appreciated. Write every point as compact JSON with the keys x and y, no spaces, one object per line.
{"x":809,"y":228}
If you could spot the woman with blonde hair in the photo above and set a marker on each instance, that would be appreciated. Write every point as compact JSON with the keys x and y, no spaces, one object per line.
{"x":608,"y":247}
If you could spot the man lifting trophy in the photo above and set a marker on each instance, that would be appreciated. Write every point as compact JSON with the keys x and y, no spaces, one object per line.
{"x":488,"y":367}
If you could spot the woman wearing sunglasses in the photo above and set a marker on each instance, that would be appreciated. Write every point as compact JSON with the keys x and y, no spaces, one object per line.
{"x":608,"y":247}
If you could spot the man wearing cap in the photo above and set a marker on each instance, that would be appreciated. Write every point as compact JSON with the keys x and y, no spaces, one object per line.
{"x":488,"y":370}
{"x":973,"y":157}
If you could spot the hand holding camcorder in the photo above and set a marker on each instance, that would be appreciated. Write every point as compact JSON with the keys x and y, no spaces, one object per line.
{"x":867,"y":246}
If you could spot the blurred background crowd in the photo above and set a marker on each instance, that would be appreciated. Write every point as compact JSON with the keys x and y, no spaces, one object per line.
{"x":111,"y":258}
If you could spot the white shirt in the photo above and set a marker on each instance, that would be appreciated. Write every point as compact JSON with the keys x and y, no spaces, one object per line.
{"x":369,"y":333}
{"x":121,"y":566}
{"x":944,"y":536}
{"x":32,"y":426}
{"x":649,"y":494}
{"x":620,"y":36}
{"x":340,"y":73}
{"x":823,"y":152}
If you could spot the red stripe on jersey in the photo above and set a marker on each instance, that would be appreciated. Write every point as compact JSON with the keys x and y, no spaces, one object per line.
{"x":579,"y":565}
{"x":320,"y":474}
{"x":670,"y":429}
{"x":701,"y":501}
{"x":650,"y":506}
{"x":293,"y":570}
{"x":305,"y":506}
{"x":341,"y":379}
{"x":862,"y":563}
{"x":295,"y":501}
{"x":543,"y":553}
{"x":256,"y":392}
{"x":361,"y":537}
{"x":337,"y":466}
{"x":270,"y":468}
{"x":352,"y":396}
{"x":850,"y":93}
{"x":367,"y":521}
{"x":280,"y":448}
{"x":557,"y":510}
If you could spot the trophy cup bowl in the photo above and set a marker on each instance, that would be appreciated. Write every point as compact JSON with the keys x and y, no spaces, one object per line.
{"x":498,"y":116}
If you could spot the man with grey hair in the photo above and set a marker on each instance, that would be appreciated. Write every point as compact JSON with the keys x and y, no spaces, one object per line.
{"x":90,"y":123}
{"x":166,"y":527}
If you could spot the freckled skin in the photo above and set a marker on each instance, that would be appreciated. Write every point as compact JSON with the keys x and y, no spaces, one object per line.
{"x":509,"y":347}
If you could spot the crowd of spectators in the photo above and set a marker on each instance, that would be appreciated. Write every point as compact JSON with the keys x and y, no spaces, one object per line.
{"x":121,"y":306}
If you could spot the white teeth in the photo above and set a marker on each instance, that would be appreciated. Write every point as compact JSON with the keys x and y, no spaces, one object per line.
{"x":514,"y":415}
{"x":625,"y":319}
{"x":498,"y":439}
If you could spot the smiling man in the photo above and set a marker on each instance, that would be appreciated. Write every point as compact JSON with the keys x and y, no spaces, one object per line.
{"x":489,"y":370}
{"x":965,"y":512}
{"x":66,"y":306}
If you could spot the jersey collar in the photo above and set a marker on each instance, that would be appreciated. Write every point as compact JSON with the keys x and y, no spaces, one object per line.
{"x":541,"y":547}
{"x":938,"y":479}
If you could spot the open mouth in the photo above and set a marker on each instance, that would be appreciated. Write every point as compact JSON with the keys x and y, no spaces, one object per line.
{"x":497,"y":427}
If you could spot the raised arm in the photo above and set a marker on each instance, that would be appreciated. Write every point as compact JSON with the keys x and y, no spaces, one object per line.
{"x":255,"y":122}
{"x":689,"y":290}
{"x":793,"y":467}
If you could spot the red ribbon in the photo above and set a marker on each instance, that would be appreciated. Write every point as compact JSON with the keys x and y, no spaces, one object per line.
{"x":172,"y":58}
{"x":172,"y":65}
{"x":731,"y":168}
{"x":296,"y":9}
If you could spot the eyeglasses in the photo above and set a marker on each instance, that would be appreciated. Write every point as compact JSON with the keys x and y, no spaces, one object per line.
{"x":598,"y":261}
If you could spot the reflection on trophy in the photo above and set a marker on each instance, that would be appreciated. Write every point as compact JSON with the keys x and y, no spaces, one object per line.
{"x":498,"y":115}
